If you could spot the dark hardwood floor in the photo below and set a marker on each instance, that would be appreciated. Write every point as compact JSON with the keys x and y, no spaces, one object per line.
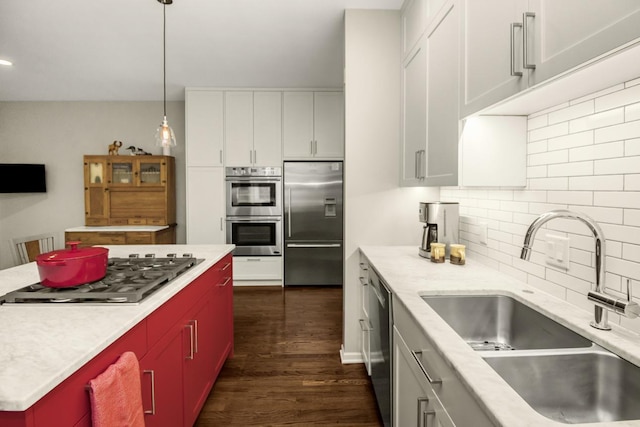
{"x":286,"y":369}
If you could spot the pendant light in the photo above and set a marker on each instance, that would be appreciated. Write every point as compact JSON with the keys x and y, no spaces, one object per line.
{"x":165,"y":137}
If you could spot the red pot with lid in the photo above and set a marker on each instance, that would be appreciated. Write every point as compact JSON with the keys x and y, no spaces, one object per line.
{"x":71,"y":267}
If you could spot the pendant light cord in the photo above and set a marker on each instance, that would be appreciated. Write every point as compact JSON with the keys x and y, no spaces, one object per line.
{"x":164,"y":55}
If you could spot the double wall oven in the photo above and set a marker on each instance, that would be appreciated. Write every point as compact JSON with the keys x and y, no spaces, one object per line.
{"x":254,"y":210}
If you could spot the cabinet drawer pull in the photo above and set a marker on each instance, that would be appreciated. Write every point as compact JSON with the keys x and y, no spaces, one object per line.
{"x":227,"y":265}
{"x":152,"y":374}
{"x":226,"y":281}
{"x":423,"y":369}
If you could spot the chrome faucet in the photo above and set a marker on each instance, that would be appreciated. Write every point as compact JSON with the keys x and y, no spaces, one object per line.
{"x":599,"y":296}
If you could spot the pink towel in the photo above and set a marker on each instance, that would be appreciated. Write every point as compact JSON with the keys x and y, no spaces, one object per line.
{"x":116,"y":396}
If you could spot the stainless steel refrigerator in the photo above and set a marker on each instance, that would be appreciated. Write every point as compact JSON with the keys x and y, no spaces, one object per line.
{"x":313,"y":223}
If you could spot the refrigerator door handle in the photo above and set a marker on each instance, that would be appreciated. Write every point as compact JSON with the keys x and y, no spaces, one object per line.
{"x":312,"y":245}
{"x":289,"y":212}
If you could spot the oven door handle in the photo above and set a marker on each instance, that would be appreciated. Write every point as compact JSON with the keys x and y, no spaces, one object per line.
{"x":270,"y":180}
{"x":311,"y":245}
{"x":254,"y":219}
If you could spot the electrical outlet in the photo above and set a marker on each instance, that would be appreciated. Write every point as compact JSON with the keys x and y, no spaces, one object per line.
{"x":557,"y":253}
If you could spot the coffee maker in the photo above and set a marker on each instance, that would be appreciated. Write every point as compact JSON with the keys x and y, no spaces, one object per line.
{"x":440,"y":225}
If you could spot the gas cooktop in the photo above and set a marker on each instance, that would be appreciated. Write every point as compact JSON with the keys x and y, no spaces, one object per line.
{"x":128,"y":280}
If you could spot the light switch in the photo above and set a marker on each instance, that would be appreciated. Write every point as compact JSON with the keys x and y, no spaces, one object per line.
{"x":557,"y":253}
{"x":482,"y":233}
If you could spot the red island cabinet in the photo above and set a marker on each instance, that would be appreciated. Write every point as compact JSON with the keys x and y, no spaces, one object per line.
{"x":181,"y":347}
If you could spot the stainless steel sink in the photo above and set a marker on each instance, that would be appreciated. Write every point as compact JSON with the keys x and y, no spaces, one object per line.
{"x":497,"y":322}
{"x":585,"y":387}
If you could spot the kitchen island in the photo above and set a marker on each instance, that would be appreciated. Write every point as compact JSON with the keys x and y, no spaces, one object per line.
{"x":410,"y":277}
{"x":45,"y":345}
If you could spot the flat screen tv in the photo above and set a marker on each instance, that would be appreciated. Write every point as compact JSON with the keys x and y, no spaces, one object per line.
{"x":22,"y":178}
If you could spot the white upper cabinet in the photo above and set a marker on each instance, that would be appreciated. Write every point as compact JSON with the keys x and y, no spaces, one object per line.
{"x":430,"y":104}
{"x":569,"y":33}
{"x":204,"y":134}
{"x":238,"y":122}
{"x":267,"y":128}
{"x":313,"y":125}
{"x":414,"y":114}
{"x":490,"y":71}
{"x":253,"y":128}
{"x":512,"y":45}
{"x":328,"y":124}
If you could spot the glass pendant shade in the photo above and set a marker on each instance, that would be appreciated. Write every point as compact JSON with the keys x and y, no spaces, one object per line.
{"x":165,"y":137}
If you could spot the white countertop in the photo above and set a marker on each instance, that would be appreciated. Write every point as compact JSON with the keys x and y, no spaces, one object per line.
{"x":409,"y":276}
{"x":115,"y":228}
{"x":44,"y":344}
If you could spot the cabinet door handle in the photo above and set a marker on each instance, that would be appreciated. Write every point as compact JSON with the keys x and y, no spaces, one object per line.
{"x":153,"y":391}
{"x":221,"y":224}
{"x":514,"y":73}
{"x":415,"y":175}
{"x":311,"y":147}
{"x":421,"y":419}
{"x":525,"y":40}
{"x":191,"y":348}
{"x":423,"y":369}
{"x":220,"y":156}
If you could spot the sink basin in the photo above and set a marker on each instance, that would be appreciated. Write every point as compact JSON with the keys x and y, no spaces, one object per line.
{"x":584,"y":387}
{"x":498,"y":322}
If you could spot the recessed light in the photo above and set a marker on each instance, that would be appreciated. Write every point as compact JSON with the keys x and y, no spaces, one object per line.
{"x":5,"y":62}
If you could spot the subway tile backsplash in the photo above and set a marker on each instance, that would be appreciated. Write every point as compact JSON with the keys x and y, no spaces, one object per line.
{"x":582,"y":155}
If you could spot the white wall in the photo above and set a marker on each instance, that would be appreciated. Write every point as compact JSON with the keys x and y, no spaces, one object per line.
{"x":377,"y":211}
{"x":58,"y":134}
{"x":582,"y":155}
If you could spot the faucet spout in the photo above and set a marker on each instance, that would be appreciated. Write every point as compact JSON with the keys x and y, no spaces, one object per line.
{"x":600,"y":320}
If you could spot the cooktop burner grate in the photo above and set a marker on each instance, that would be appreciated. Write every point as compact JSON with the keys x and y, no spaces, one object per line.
{"x":128,"y":280}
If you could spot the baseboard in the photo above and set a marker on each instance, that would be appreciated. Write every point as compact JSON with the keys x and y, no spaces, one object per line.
{"x":352,"y":357}
{"x":277,"y":283}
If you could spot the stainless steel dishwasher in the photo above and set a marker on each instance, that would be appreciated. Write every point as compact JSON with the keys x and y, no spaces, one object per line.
{"x":381,"y":344}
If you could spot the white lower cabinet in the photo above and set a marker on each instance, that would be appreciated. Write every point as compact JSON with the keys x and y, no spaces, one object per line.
{"x":426,"y":391}
{"x":415,"y":402}
{"x":365,"y":323}
{"x":257,"y":268}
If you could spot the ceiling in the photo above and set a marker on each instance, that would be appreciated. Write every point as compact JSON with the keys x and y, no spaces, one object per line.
{"x":112,"y":50}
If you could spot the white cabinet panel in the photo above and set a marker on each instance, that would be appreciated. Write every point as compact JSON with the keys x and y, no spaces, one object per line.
{"x":238,"y":122}
{"x":257,"y":268}
{"x":204,"y":118}
{"x":313,"y":125}
{"x":572,"y":32}
{"x":267,"y":128}
{"x":487,"y":54}
{"x":430,"y":105}
{"x":298,"y":124}
{"x":205,"y":205}
{"x":494,"y":151}
{"x":328,"y":124}
{"x":442,"y":107}
{"x":414,"y":113}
